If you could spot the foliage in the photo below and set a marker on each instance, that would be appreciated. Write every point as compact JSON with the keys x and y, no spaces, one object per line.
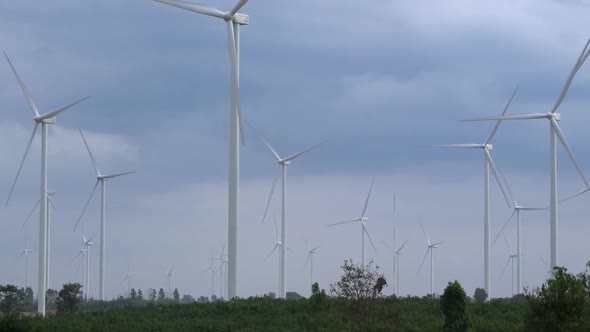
{"x":132,"y":293}
{"x":161,"y":295}
{"x":151,"y":294}
{"x":293,"y":296}
{"x":558,"y":305}
{"x":12,"y":299}
{"x":480,"y":295}
{"x":176,"y":295}
{"x":187,"y":298}
{"x":453,"y":305}
{"x":139,"y":295}
{"x":318,"y":300}
{"x":51,"y":298}
{"x":69,"y":298}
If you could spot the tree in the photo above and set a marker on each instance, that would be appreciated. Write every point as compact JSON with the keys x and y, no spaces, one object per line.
{"x":161,"y":295}
{"x":453,"y":304}
{"x":29,"y":296}
{"x":318,"y":299}
{"x":151,"y":294}
{"x":69,"y":298}
{"x":203,"y":299}
{"x":480,"y":295}
{"x":11,"y":299}
{"x":213,"y":298}
{"x":139,"y":295}
{"x":558,"y":305}
{"x":132,"y":293}
{"x":51,"y":297}
{"x":176,"y":295}
{"x":293,"y":296}
{"x":186,"y":298}
{"x":271,"y":295}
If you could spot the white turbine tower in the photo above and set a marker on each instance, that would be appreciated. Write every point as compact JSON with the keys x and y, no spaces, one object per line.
{"x":283,"y":163}
{"x":554,"y":132}
{"x":26,"y":252}
{"x":511,"y":258}
{"x":486,"y":147}
{"x":233,"y":21}
{"x":309,"y":260}
{"x":362,"y":219}
{"x":170,"y":275}
{"x":44,"y":120}
{"x":517,"y":208}
{"x":87,"y":243}
{"x":100,"y":178}
{"x":431,"y":247}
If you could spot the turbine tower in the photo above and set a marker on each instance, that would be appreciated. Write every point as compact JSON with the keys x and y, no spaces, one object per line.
{"x":170,"y":275}
{"x":511,"y":258}
{"x":26,"y":252}
{"x":283,"y":163}
{"x":233,"y":21}
{"x":277,"y":245}
{"x":486,"y":147}
{"x":362,"y":219}
{"x":44,"y":120}
{"x":99,"y":179}
{"x":309,"y":260}
{"x":86,"y":244}
{"x":430,"y":248}
{"x":554,"y":134}
{"x":128,"y":278}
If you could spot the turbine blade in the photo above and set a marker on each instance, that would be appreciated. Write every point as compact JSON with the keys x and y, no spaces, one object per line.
{"x":307,"y":260}
{"x":568,"y":150}
{"x":31,"y":213}
{"x":495,"y":128}
{"x":526,"y":116}
{"x":20,"y":167}
{"x":316,"y":248}
{"x":575,"y":195}
{"x":463,"y":146}
{"x":272,"y":190}
{"x":533,"y":209}
{"x":387,"y":245}
{"x":570,"y":78}
{"x":507,"y":187}
{"x":92,"y":159}
{"x":505,"y":266}
{"x":344,"y":222}
{"x":503,"y":227}
{"x":437,"y":243}
{"x":423,"y":260}
{"x":403,"y":245}
{"x":495,"y":172}
{"x":237,"y":7}
{"x":424,"y":232}
{"x":86,"y":205}
{"x":110,"y":176}
{"x":23,"y":88}
{"x":235,"y":86}
{"x":272,"y":251}
{"x":367,"y":200}
{"x":507,"y":245}
{"x":296,"y":155}
{"x":276,"y":228}
{"x":269,"y":147}
{"x":54,"y":113}
{"x":50,"y":202}
{"x":369,"y":237}
{"x":194,"y":7}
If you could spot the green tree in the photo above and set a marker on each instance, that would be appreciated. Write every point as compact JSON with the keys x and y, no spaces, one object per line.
{"x":133,"y":293}
{"x":318,"y":299}
{"x":176,"y":295}
{"x":51,"y":297}
{"x":292,"y":296}
{"x":161,"y":295}
{"x":558,"y":305}
{"x":69,"y":298}
{"x":187,"y":298}
{"x":139,"y":295}
{"x":453,"y":304}
{"x":480,"y":295}
{"x":12,"y":299}
{"x":152,"y":294}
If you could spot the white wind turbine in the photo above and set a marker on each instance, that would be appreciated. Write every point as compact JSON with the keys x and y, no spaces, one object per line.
{"x":82,"y":253}
{"x":128,"y":277}
{"x":362,"y":219}
{"x":233,"y":21}
{"x":170,"y":275}
{"x":516,"y":210}
{"x":277,"y":245}
{"x":431,"y":247}
{"x":283,"y":163}
{"x":309,"y":260}
{"x":26,"y":252}
{"x":396,"y":253}
{"x":486,"y":147}
{"x":44,"y":120}
{"x":86,"y":244}
{"x":554,"y":132}
{"x":212,"y":269}
{"x":511,"y":258}
{"x":100,"y":178}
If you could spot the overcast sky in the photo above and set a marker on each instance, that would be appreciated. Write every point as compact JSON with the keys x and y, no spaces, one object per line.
{"x":374,"y":81}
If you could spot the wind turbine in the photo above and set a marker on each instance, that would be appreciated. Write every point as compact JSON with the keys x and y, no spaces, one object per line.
{"x":283,"y":163}
{"x":277,"y":245}
{"x":396,"y":253}
{"x":212,"y":269}
{"x":170,"y":275}
{"x":128,"y":278}
{"x":26,"y":253}
{"x":554,"y":132}
{"x":362,"y":219}
{"x":82,"y":253}
{"x":233,"y":21}
{"x":516,"y":210}
{"x":44,"y":120}
{"x":87,"y":243}
{"x":431,"y":247}
{"x":309,"y":260}
{"x":486,"y":147}
{"x":511,"y":258}
{"x":100,"y":178}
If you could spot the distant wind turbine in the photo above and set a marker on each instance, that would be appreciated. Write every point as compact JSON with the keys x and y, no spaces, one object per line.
{"x":170,"y":275}
{"x":430,"y":248}
{"x":44,"y":120}
{"x":26,"y":252}
{"x":309,"y":260}
{"x":212,"y":269}
{"x":128,"y":278}
{"x":511,"y":258}
{"x":277,"y":245}
{"x":87,"y":243}
{"x":100,"y":178}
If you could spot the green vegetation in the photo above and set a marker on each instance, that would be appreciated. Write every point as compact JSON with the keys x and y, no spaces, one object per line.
{"x":354,"y":303}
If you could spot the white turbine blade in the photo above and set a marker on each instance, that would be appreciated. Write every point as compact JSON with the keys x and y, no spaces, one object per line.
{"x":296,"y":155}
{"x":344,"y":222}
{"x":495,"y":128}
{"x":54,"y":113}
{"x":91,"y":238}
{"x":24,"y":251}
{"x":237,"y":7}
{"x":505,"y":266}
{"x":20,"y":167}
{"x":276,"y":228}
{"x":423,"y":260}
{"x":527,"y":116}
{"x":568,"y":150}
{"x":23,"y":88}
{"x":403,"y":245}
{"x":495,"y":172}
{"x":316,"y":248}
{"x":269,"y":147}
{"x":369,"y":237}
{"x":235,"y":87}
{"x":437,"y":243}
{"x":575,"y":195}
{"x":171,"y":270}
{"x":367,"y":200}
{"x":503,"y":227}
{"x":84,"y":239}
{"x":94,"y":163}
{"x":507,"y":187}
{"x":272,"y":190}
{"x":272,"y":251}
{"x":463,"y":146}
{"x":570,"y":78}
{"x":507,"y":245}
{"x":86,"y":205}
{"x":387,"y":246}
{"x":194,"y":7}
{"x":533,"y":208}
{"x":31,"y":213}
{"x":306,"y":261}
{"x":50,"y":202}
{"x":110,"y":176}
{"x":423,"y":231}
